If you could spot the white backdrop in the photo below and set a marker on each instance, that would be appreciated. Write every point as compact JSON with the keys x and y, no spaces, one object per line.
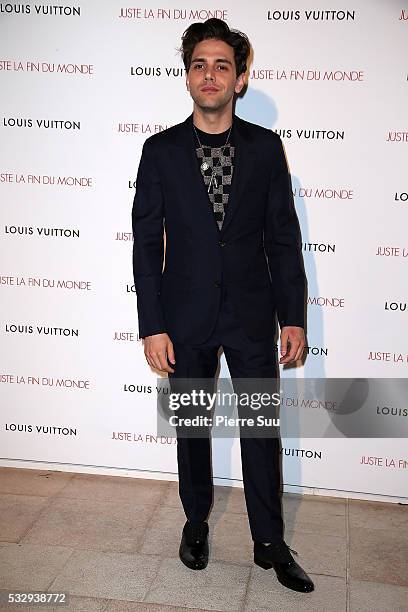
{"x":82,"y":86}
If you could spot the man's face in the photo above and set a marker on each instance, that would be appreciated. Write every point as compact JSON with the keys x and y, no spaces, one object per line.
{"x":212,"y":78}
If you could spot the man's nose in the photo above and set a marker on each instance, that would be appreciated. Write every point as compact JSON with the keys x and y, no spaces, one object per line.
{"x":209,"y":75}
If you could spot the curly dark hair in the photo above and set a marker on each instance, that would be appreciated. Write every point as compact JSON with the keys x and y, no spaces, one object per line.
{"x":218,"y":29}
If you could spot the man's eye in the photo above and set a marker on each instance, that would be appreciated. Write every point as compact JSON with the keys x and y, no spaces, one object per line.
{"x":221,"y":67}
{"x":196,"y":66}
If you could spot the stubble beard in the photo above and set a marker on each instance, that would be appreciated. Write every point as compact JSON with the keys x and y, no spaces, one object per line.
{"x":213,"y":108}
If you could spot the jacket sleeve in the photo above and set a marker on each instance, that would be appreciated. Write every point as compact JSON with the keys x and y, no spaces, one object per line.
{"x":148,"y":245}
{"x":282,"y":243}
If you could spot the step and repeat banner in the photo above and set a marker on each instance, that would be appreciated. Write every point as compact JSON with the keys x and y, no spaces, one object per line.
{"x":83,"y":85}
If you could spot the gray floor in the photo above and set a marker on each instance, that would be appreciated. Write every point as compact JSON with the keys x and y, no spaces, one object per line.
{"x":112,"y":543}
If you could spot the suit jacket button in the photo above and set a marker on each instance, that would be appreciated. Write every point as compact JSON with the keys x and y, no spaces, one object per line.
{"x":222,"y":243}
{"x":217,"y":284}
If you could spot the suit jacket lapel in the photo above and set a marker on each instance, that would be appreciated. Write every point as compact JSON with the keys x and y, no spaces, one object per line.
{"x":243,"y":164}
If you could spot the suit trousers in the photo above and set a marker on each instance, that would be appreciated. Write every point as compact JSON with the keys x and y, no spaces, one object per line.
{"x":260,"y":457}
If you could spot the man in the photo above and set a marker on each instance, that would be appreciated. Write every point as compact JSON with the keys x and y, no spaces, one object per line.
{"x":220,"y":188}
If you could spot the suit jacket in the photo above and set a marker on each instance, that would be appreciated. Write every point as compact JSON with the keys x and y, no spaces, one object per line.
{"x":257,"y":254}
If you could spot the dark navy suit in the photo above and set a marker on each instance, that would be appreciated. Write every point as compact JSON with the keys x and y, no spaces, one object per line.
{"x":220,"y":288}
{"x":260,"y":228}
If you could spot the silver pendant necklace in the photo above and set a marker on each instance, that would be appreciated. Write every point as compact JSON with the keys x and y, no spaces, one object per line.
{"x":205,"y":165}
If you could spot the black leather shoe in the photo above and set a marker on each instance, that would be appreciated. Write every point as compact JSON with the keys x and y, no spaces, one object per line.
{"x":288,"y":572}
{"x":194,"y":545}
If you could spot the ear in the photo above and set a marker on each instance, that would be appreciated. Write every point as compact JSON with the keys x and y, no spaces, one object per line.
{"x":188,"y":85}
{"x":240,"y":82}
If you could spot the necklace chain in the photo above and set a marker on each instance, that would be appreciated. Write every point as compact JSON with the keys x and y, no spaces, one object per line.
{"x":223,"y":146}
{"x":204,"y":166}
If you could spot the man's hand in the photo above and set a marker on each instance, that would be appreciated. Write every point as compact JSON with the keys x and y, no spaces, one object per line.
{"x":292,"y":343}
{"x":157,"y":349}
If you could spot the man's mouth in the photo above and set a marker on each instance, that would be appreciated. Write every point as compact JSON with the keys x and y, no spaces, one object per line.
{"x":206,"y":89}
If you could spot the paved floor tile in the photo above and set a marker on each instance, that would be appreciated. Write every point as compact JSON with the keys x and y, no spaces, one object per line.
{"x":17,"y":514}
{"x":377,"y":597}
{"x":30,"y":566}
{"x":33,"y":482}
{"x":266,"y":593}
{"x":378,"y":515}
{"x":379,"y":555}
{"x":112,"y":543}
{"x":90,"y":524}
{"x":113,"y":488}
{"x":107,"y":575}
{"x":220,"y":586}
{"x":319,"y":553}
